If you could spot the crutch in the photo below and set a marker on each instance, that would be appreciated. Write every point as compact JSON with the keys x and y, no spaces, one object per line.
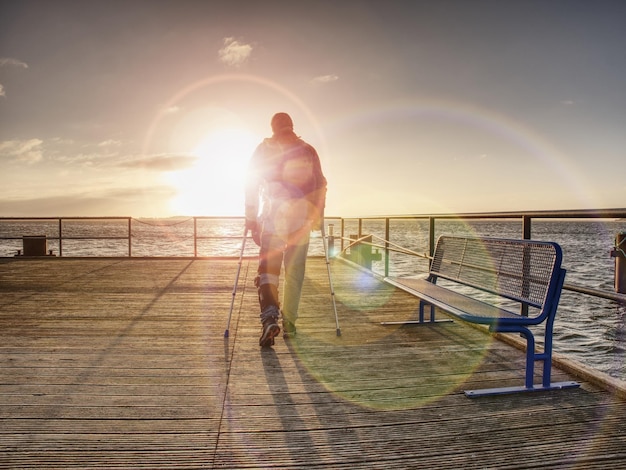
{"x":330,"y":280}
{"x":232,"y":301}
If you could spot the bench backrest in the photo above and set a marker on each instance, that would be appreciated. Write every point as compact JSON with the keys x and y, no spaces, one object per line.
{"x":522,"y":270}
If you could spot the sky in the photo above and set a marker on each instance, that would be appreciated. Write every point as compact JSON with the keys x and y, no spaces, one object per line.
{"x":153,"y":108}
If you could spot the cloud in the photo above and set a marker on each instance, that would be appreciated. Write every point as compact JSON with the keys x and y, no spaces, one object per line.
{"x":161,"y":162}
{"x":324,"y":79}
{"x":27,"y":151}
{"x":7,"y":61}
{"x":234,"y":53}
{"x":173,"y":109}
{"x":10,"y":62}
{"x":104,"y":154}
{"x":60,"y":140}
{"x":110,"y":143}
{"x":81,"y":202}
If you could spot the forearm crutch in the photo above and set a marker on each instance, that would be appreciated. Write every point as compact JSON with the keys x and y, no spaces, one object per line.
{"x":232,"y":301}
{"x":330,"y":281}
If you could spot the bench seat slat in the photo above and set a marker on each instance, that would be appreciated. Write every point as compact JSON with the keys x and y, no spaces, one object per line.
{"x":459,"y":304}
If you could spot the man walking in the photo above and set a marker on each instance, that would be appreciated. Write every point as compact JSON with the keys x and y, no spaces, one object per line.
{"x":285,"y":175}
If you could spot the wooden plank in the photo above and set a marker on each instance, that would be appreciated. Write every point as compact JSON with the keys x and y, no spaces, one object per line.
{"x":123,"y":364}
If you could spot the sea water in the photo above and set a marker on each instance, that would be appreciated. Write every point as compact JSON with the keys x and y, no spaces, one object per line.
{"x":588,"y":329}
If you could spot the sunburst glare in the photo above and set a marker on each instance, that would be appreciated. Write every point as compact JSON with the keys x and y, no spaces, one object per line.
{"x":215,"y":183}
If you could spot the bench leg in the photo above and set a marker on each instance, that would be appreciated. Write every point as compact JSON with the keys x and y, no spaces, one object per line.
{"x":420,"y":320}
{"x":531,"y":358}
{"x":421,"y":312}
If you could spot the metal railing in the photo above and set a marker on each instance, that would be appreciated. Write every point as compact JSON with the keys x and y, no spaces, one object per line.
{"x":36,"y":225}
{"x":59,"y":223}
{"x":525,"y":218}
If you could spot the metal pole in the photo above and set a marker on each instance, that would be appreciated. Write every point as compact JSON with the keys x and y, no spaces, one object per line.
{"x":526,"y":227}
{"x":431,"y":239}
{"x":232,"y":301}
{"x":387,"y":236}
{"x":619,"y":253}
{"x":195,"y":237}
{"x":343,"y":232}
{"x":526,"y":235}
{"x":330,"y":282}
{"x":60,"y":237}
{"x":331,"y":239}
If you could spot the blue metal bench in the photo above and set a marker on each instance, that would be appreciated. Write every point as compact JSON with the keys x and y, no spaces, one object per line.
{"x":504,"y":274}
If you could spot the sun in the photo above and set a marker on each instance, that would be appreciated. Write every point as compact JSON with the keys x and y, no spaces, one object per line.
{"x":214,"y":185}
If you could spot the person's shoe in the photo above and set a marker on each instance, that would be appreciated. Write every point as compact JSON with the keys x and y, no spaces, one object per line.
{"x":269,"y":331}
{"x":289,"y":329}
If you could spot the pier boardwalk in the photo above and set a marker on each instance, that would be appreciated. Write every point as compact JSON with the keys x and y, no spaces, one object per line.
{"x":122,"y":363}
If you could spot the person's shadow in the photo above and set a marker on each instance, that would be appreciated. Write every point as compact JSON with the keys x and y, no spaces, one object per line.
{"x":296,"y":431}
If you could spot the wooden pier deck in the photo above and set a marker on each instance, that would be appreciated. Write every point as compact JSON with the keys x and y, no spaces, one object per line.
{"x":122,"y":363}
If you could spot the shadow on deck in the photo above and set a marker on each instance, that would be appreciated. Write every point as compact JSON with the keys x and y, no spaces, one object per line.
{"x":123,"y":364}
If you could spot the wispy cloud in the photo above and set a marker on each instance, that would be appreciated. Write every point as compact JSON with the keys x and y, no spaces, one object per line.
{"x":160,"y":162}
{"x":7,"y":61}
{"x":10,"y":62}
{"x":324,"y":79}
{"x":71,"y":153}
{"x":26,"y":151}
{"x":105,"y":154}
{"x":234,"y":53}
{"x":171,"y":109}
{"x":86,"y":201}
{"x":110,"y":143}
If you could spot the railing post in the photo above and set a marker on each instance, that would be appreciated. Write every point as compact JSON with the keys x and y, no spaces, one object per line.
{"x":331,"y":240}
{"x":130,"y":251}
{"x":195,"y":237}
{"x":526,"y":227}
{"x":431,"y":238}
{"x":387,"y":235}
{"x":60,"y":237}
{"x":343,"y":232}
{"x":526,"y":235}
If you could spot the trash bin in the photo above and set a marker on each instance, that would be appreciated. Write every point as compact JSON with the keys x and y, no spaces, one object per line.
{"x":35,"y":245}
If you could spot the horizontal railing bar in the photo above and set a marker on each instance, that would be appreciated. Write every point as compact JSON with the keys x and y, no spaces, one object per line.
{"x":221,"y":237}
{"x":69,"y":238}
{"x":26,"y":219}
{"x":547,"y":214}
{"x":87,"y":238}
{"x":621,"y":298}
{"x":394,"y":247}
